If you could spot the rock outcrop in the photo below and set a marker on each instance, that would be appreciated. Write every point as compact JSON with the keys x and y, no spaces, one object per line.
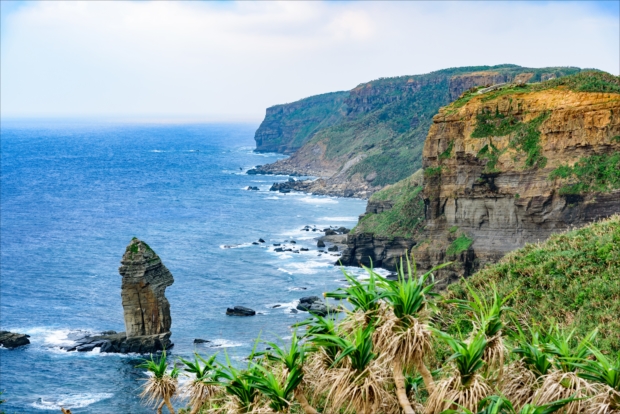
{"x":379,"y":251}
{"x":374,"y":135}
{"x":146,"y":309}
{"x":13,"y":340}
{"x":240,"y":311}
{"x":489,"y":159}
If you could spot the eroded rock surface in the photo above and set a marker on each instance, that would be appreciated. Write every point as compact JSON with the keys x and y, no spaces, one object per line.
{"x":146,"y":309}
{"x":13,"y":340}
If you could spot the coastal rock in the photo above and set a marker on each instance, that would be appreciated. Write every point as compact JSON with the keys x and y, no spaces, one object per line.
{"x":240,"y":311}
{"x":320,"y":243}
{"x":369,"y":250}
{"x":201,"y":341}
{"x":146,"y":309}
{"x":13,"y":340}
{"x":332,"y":249}
{"x":314,"y":304}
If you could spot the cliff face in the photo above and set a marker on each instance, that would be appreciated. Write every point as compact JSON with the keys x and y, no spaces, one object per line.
{"x":287,"y":127}
{"x":376,"y":133}
{"x":498,"y":171}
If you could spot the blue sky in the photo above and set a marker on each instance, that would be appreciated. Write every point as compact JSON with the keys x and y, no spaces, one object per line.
{"x":230,"y":60}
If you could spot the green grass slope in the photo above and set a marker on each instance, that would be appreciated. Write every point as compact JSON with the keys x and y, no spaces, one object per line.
{"x":572,"y":278}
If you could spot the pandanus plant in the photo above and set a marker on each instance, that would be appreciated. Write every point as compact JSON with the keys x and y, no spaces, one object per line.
{"x":465,"y":387}
{"x":496,"y":404}
{"x":522,"y":377}
{"x":203,"y":385}
{"x":563,"y":382}
{"x":239,"y":383}
{"x":161,"y":385}
{"x":352,"y":385}
{"x":487,"y":317}
{"x":293,"y":359}
{"x":605,"y":372}
{"x":403,"y":337}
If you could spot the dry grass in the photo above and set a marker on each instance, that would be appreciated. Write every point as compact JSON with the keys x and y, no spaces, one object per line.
{"x":518,"y":384}
{"x":451,"y":394}
{"x":559,"y":385}
{"x":409,"y":342}
{"x":606,"y":401}
{"x":199,"y":393}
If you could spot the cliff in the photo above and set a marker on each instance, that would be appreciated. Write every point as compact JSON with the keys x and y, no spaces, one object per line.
{"x":515,"y":165}
{"x":508,"y":167}
{"x":374,"y":137}
{"x":287,"y":127}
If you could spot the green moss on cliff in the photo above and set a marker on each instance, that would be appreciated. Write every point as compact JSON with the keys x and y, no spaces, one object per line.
{"x":404,"y":219}
{"x":573,"y":278}
{"x":597,"y":173}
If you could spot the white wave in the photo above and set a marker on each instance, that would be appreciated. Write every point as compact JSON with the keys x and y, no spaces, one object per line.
{"x":284,"y":270}
{"x":318,"y":200}
{"x":54,"y":403}
{"x":348,"y":218}
{"x":306,"y":268}
{"x":283,"y":306}
{"x":157,"y":151}
{"x":223,"y":343}
{"x":272,"y":198}
{"x":235,"y":246}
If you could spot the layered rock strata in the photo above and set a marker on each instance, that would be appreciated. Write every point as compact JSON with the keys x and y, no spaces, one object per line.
{"x":146,"y":309}
{"x":488,"y":163}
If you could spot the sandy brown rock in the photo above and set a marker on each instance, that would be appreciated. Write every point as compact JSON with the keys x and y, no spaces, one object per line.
{"x":504,"y":209}
{"x":145,"y":279}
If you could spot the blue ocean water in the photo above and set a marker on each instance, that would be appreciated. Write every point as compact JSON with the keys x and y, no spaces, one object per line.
{"x":72,"y":197}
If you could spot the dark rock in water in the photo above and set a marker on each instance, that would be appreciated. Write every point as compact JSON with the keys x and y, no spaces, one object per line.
{"x":89,"y":347}
{"x":295,"y":251}
{"x":291,"y":180}
{"x":251,"y":188}
{"x":294,"y":311}
{"x":201,"y":341}
{"x":278,"y":249}
{"x":288,"y":250}
{"x":320,"y":243}
{"x":285,"y":190}
{"x":330,"y":232}
{"x":255,"y":243}
{"x":276,"y":244}
{"x":392,"y":276}
{"x":240,"y":311}
{"x":261,"y":241}
{"x":275,"y":306}
{"x":321,"y":251}
{"x":332,"y":249}
{"x":13,"y":340}
{"x":303,"y":249}
{"x":343,"y":230}
{"x":308,"y":300}
{"x":109,"y":333}
{"x":293,"y":241}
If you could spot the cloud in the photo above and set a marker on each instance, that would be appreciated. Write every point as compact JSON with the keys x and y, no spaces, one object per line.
{"x":221,"y":60}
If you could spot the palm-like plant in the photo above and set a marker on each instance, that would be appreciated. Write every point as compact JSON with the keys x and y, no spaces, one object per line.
{"x":239,"y":383}
{"x":531,"y":348}
{"x":364,"y":295}
{"x":604,"y":371}
{"x":278,"y":392}
{"x":404,"y":338}
{"x":161,"y":385}
{"x":203,"y":385}
{"x":293,"y":358}
{"x":564,"y":382}
{"x":496,"y":404}
{"x":487,"y":315}
{"x":353,"y":383}
{"x":465,"y":388}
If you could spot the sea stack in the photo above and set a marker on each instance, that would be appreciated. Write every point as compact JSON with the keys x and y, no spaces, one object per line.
{"x":146,"y":309}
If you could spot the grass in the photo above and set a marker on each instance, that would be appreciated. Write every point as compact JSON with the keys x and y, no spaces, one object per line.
{"x":448,"y":152}
{"x":459,"y":245}
{"x":596,"y":173}
{"x":525,"y":137}
{"x":404,"y":219}
{"x":431,"y":172}
{"x":572,"y":278}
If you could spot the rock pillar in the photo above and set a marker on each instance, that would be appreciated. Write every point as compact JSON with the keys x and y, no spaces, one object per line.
{"x":146,"y":309}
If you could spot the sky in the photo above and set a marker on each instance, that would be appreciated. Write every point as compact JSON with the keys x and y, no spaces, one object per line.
{"x":229,"y":61}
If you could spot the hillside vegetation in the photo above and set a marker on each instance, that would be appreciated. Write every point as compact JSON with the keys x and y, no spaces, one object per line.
{"x":572,"y":278}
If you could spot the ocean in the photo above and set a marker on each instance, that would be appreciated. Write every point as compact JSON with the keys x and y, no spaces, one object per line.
{"x":73,"y":194}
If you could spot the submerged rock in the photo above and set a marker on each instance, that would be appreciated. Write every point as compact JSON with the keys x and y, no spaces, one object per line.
{"x":240,"y":311}
{"x":13,"y":340}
